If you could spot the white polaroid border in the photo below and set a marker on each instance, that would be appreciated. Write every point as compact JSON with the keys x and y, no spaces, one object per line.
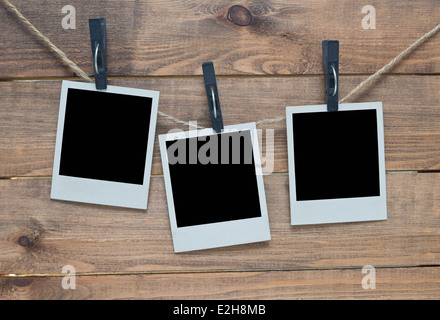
{"x":221,"y":234}
{"x":337,"y":210}
{"x":99,"y":191}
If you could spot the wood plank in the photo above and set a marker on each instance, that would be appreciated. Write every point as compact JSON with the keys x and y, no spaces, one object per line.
{"x":29,"y":115}
{"x":391,"y":283}
{"x":168,"y":38}
{"x":39,"y":235}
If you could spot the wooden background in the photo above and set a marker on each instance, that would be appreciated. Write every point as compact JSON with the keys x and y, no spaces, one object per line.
{"x":274,"y":62}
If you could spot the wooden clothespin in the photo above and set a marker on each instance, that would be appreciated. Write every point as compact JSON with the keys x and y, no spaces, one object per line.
{"x":330,"y":52}
{"x":212,"y":95}
{"x":99,"y":50}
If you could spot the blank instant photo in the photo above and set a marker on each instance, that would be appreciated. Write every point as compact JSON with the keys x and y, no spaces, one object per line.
{"x":104,"y":145}
{"x":214,"y":187}
{"x":336,"y":163}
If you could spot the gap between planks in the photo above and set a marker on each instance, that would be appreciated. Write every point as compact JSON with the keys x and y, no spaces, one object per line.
{"x":264,"y":174}
{"x":217,"y":271}
{"x":219,"y":76}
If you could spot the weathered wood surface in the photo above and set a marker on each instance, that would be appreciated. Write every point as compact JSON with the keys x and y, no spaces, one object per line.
{"x":174,"y":37}
{"x":391,"y":283}
{"x":29,"y":115}
{"x":274,"y":62}
{"x":103,"y":239}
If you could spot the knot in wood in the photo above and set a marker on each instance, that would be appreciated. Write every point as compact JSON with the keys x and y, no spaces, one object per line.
{"x":21,"y":282}
{"x":24,"y":241}
{"x":239,"y":15}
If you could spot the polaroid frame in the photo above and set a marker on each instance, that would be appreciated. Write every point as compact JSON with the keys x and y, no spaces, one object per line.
{"x":341,"y":209}
{"x":100,"y":191}
{"x":219,"y":234}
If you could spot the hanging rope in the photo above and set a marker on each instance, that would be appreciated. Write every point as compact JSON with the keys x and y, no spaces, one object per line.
{"x":85,"y":77}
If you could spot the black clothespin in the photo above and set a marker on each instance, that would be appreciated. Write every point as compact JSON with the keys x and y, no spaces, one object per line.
{"x":330,"y":52}
{"x":99,"y":49}
{"x":212,"y":95}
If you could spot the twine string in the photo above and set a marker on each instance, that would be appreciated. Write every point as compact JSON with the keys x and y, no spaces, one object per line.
{"x":46,"y":40}
{"x":391,"y":63}
{"x":85,"y":77}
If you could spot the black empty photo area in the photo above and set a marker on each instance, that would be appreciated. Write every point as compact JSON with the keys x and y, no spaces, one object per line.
{"x":105,"y":136}
{"x":336,"y":154}
{"x":214,"y":180}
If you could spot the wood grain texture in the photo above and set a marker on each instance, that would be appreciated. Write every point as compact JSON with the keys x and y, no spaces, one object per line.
{"x":391,"y":283}
{"x":103,"y":239}
{"x":29,"y":115}
{"x":175,"y":37}
{"x":272,"y":62}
